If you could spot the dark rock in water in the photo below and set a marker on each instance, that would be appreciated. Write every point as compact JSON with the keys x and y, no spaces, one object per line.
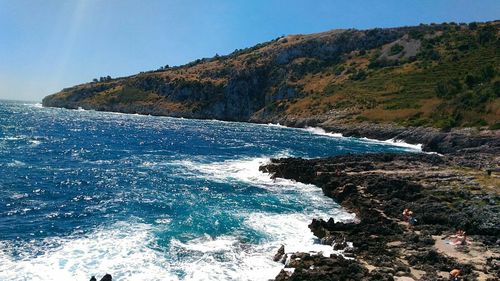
{"x":280,"y":254}
{"x":317,"y":228}
{"x":107,"y":277}
{"x":283,"y":275}
{"x":327,"y":240}
{"x":340,"y":244}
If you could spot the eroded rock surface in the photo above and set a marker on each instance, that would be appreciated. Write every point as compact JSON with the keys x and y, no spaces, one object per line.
{"x":443,"y":195}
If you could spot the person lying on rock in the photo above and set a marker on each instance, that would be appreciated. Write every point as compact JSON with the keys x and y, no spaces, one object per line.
{"x":406,"y":214}
{"x":455,"y":275}
{"x":412,"y":220}
{"x":461,"y":240}
{"x":457,"y":234}
{"x":409,"y":217}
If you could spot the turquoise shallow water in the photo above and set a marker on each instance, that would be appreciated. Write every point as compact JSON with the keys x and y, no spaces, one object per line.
{"x":153,"y":198}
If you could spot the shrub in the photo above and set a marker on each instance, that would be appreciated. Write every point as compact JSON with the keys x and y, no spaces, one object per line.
{"x":379,"y":63}
{"x":339,"y":69}
{"x":416,"y":34}
{"x":473,"y":25}
{"x":486,"y":34}
{"x":448,"y":88}
{"x":471,"y":80}
{"x":487,"y":73}
{"x":495,"y":126}
{"x":496,"y":89}
{"x":360,"y":75}
{"x":396,"y":49}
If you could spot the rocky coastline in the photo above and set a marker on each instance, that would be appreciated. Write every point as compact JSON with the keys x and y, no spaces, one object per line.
{"x":448,"y":188}
{"x":446,"y":192}
{"x":436,"y":85}
{"x":443,"y":141}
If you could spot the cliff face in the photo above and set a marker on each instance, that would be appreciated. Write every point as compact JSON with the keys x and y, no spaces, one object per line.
{"x":430,"y":75}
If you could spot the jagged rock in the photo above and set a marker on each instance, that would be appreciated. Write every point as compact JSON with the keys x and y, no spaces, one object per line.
{"x":107,"y":277}
{"x":335,"y":267}
{"x":280,"y":254}
{"x":283,"y":276}
{"x":340,"y":245}
{"x":327,"y":240}
{"x":377,"y":187}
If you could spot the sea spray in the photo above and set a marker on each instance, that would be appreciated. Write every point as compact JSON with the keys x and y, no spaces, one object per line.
{"x":154,"y":198}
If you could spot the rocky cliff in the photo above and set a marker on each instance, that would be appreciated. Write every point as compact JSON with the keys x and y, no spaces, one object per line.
{"x":439,"y":75}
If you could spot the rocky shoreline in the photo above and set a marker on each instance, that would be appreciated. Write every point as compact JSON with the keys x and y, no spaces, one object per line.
{"x":454,"y":141}
{"x":448,"y":190}
{"x":446,"y":193}
{"x":480,"y":143}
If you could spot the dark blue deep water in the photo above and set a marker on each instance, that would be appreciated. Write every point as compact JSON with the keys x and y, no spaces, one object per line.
{"x":152,"y":198}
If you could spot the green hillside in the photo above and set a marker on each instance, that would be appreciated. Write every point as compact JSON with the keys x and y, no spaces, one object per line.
{"x":438,"y":75}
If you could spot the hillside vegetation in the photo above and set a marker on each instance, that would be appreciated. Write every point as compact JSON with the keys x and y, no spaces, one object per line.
{"x":438,"y":75}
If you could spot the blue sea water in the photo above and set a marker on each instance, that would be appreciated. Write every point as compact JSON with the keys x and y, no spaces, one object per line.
{"x":153,"y":198}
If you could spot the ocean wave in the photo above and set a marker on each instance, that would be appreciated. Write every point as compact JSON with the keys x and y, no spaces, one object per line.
{"x":128,"y":252}
{"x":322,"y":132}
{"x":14,"y":138}
{"x":292,"y":231}
{"x":122,"y":250}
{"x":278,"y":125}
{"x":246,"y":170}
{"x":224,"y":258}
{"x":393,"y":142}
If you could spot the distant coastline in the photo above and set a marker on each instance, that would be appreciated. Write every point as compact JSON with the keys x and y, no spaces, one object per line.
{"x":441,"y":76}
{"x":432,"y":86}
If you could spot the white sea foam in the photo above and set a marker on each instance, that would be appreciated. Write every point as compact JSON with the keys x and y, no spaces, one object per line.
{"x":393,"y":142}
{"x":207,"y":244}
{"x":16,"y":195}
{"x":278,"y":125}
{"x":121,"y":250}
{"x":322,"y":132}
{"x":16,"y":163}
{"x":225,"y":258}
{"x":246,"y":170}
{"x":35,"y":142}
{"x":126,"y":251}
{"x":289,"y":229}
{"x":35,"y":105}
{"x":292,"y":231}
{"x":14,"y":138}
{"x":228,"y":258}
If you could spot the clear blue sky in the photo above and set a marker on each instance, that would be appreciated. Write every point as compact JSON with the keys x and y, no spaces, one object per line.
{"x":46,"y":45}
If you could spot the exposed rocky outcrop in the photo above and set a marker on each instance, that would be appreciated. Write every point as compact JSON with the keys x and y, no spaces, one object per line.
{"x":106,"y":277}
{"x":342,"y":76}
{"x":435,"y":85}
{"x":228,"y":92}
{"x":377,"y":187}
{"x":455,"y":141}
